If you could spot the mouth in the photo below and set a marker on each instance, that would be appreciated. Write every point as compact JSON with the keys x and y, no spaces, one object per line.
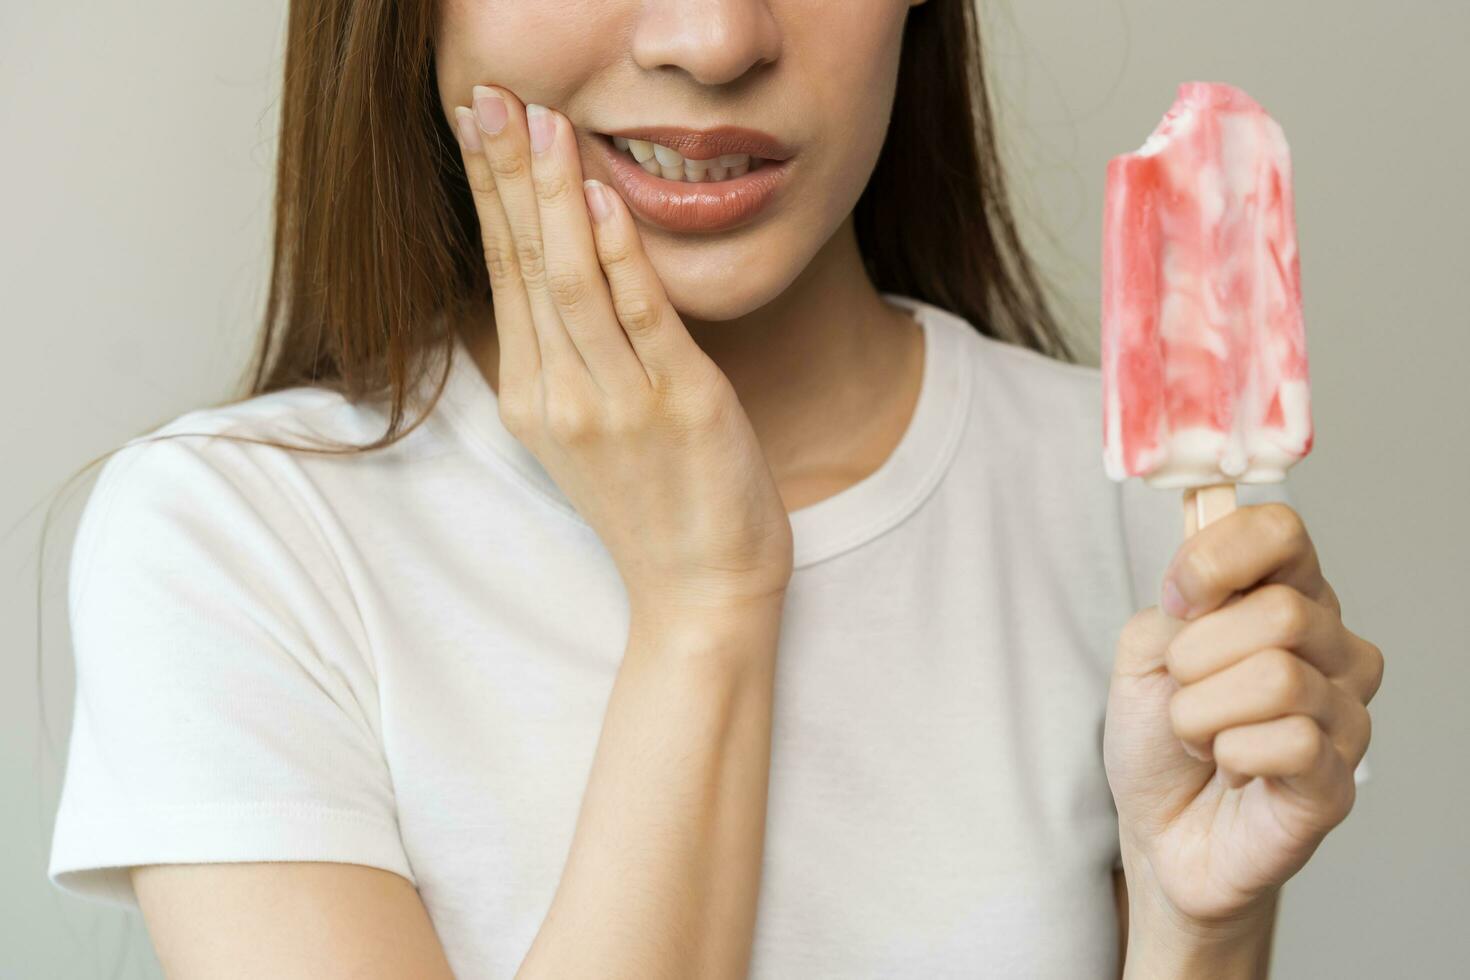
{"x":688,"y":181}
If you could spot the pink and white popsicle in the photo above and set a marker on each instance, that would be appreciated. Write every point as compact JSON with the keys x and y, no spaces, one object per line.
{"x":1204,"y":361}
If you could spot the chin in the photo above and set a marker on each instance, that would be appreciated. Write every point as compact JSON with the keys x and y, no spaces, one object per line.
{"x":723,"y":297}
{"x":721,"y":281}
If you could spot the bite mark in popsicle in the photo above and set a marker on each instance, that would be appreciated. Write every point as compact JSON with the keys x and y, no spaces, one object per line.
{"x":1204,"y":365}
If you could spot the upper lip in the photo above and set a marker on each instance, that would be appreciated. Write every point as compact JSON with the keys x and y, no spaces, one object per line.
{"x":704,"y":144}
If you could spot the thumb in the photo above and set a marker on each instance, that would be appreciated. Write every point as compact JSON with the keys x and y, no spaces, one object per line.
{"x":1143,"y":641}
{"x":1152,"y":776}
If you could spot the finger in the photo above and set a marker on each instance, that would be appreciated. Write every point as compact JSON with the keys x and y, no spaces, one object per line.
{"x":1232,"y":779}
{"x":520,"y":354}
{"x":1273,"y":615}
{"x":1350,"y":732}
{"x":1295,"y":750}
{"x":1270,"y":683}
{"x":1328,"y":598}
{"x":1368,"y":667}
{"x":1250,"y":545}
{"x":653,"y":327}
{"x":1353,"y":731}
{"x":509,"y":153}
{"x":574,"y":278}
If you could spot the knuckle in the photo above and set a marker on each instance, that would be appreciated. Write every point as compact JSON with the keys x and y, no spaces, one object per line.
{"x":508,"y":166}
{"x":481,"y":181}
{"x":625,"y":417}
{"x":531,"y":259}
{"x":1287,"y":610}
{"x":1200,"y":566}
{"x":1177,"y":659}
{"x":1346,"y":800}
{"x":698,"y":398}
{"x":552,"y":188}
{"x":637,"y":311}
{"x":1330,"y":599}
{"x":698,"y":409}
{"x":514,"y":416}
{"x":568,"y":289}
{"x":1301,"y":740}
{"x":614,"y":252}
{"x":1284,"y":679}
{"x":1361,"y":725}
{"x":1285,"y":525}
{"x":1375,"y":667}
{"x":500,"y":263}
{"x":568,"y":421}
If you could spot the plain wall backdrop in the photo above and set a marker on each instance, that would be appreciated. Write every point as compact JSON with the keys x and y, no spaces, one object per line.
{"x":135,"y":181}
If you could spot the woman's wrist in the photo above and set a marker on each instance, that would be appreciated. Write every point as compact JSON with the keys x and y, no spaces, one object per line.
{"x":737,"y":632}
{"x":1165,"y":943}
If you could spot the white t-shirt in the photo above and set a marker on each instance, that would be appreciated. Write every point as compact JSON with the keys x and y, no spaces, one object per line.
{"x":402,"y":660}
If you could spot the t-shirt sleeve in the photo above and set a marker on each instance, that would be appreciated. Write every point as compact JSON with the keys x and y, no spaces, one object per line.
{"x":225,"y":705}
{"x":1153,"y":524}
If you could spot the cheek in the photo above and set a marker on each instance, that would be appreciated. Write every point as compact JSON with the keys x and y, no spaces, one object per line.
{"x":849,"y":70}
{"x":535,"y":49}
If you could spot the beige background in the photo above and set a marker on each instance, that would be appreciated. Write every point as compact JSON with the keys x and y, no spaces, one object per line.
{"x":134,"y":206}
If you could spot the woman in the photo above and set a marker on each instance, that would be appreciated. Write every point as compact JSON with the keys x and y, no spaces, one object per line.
{"x":743,"y":599}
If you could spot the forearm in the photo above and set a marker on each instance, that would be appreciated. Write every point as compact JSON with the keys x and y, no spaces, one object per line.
{"x":663,"y":872}
{"x":1161,"y":945}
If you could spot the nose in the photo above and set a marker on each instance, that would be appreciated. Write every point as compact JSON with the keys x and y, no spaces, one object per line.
{"x":714,"y":41}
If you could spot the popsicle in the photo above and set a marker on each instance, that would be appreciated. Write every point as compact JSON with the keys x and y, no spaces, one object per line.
{"x":1204,"y":363}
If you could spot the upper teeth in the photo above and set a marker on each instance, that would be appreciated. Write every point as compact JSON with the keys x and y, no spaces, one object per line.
{"x":670,"y":164}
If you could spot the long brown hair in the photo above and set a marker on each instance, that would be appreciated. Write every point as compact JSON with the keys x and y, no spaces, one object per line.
{"x":376,"y":236}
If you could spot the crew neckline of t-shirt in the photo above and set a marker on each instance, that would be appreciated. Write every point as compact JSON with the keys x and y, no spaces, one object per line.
{"x":821,"y":530}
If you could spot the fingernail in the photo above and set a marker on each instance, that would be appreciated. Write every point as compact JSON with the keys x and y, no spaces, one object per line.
{"x":597,"y":201}
{"x":1173,"y":601}
{"x":464,"y":123}
{"x":490,"y":108}
{"x":542,"y":127}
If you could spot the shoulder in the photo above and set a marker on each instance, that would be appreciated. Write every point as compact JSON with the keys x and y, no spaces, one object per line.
{"x":275,"y":433}
{"x":222,"y":656}
{"x":186,"y":464}
{"x":287,"y":415}
{"x":209,"y":493}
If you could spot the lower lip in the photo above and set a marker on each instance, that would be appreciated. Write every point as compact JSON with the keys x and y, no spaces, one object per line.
{"x":683,"y":206}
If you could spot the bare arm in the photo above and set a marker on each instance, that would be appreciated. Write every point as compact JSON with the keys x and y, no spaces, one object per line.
{"x":661,"y":878}
{"x":289,"y":920}
{"x":664,"y":867}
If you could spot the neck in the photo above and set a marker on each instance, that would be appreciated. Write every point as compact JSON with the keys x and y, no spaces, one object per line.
{"x":818,"y":369}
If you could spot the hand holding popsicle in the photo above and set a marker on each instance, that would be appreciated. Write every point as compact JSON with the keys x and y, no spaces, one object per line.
{"x":1236,"y":717}
{"x":1237,"y":711}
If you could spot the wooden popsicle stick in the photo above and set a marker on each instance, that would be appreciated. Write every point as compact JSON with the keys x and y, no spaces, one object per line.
{"x":1205,"y":504}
